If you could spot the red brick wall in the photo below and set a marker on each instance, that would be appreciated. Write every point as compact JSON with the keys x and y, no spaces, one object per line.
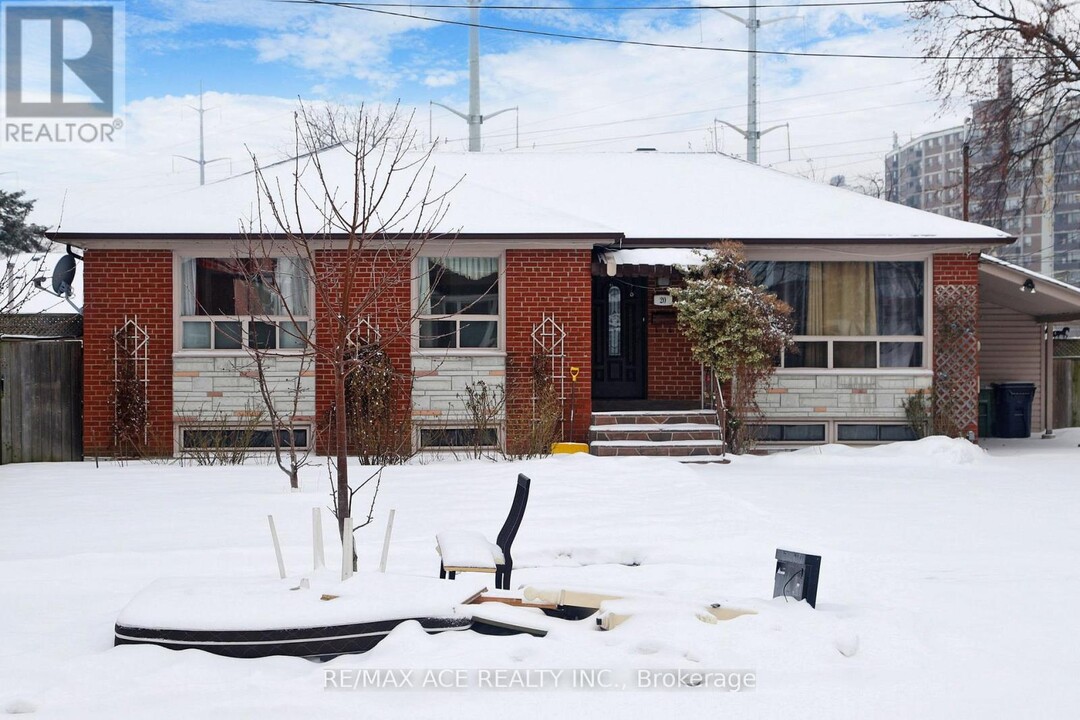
{"x":382,"y":290}
{"x":132,"y":283}
{"x":556,"y":282}
{"x":956,"y":269}
{"x":673,"y":373}
{"x":956,"y":354}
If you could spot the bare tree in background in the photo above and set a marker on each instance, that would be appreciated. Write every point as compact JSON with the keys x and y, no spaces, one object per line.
{"x":351,"y":219}
{"x":1022,"y":59}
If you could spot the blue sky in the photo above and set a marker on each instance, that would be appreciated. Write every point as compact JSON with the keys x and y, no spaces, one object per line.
{"x":254,"y":58}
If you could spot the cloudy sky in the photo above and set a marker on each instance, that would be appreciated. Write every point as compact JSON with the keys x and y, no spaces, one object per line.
{"x":256,"y":58}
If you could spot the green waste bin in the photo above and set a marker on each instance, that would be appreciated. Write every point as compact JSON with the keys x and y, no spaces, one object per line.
{"x":986,"y":413}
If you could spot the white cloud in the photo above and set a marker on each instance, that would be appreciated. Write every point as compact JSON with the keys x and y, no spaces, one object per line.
{"x":573,"y":96}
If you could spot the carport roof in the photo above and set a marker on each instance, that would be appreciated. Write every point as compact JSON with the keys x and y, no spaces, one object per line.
{"x":1052,"y":301}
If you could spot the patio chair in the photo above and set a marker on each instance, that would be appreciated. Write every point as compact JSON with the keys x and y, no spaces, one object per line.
{"x":470,"y":551}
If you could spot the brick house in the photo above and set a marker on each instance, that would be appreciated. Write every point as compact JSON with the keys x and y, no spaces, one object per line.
{"x":886,"y":297}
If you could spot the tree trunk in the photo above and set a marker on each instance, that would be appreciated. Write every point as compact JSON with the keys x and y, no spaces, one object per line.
{"x":341,"y":449}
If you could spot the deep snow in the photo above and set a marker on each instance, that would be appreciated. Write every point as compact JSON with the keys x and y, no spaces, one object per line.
{"x":948,"y":583}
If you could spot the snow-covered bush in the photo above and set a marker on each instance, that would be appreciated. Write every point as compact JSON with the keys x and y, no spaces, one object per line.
{"x":736,"y":329}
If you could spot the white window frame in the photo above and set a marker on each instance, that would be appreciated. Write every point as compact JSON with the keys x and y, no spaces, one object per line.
{"x":458,"y":318}
{"x":244,"y":320}
{"x":926,"y":338}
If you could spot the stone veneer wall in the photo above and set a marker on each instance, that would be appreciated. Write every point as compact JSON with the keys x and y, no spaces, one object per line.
{"x":439,"y":383}
{"x":834,"y":396}
{"x":209,"y":389}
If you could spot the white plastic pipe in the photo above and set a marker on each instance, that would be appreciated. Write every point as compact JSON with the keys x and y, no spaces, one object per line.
{"x":347,"y":550}
{"x":386,"y":541}
{"x":277,"y":547}
{"x":317,"y":549}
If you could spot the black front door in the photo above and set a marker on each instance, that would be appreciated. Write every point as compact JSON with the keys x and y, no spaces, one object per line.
{"x":618,"y":343}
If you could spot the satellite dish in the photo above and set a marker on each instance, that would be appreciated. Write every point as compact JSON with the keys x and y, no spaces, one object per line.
{"x":63,"y":276}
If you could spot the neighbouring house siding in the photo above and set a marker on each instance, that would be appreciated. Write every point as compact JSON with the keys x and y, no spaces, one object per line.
{"x":226,"y":389}
{"x":439,"y":383}
{"x":956,"y":339}
{"x":134,"y":284}
{"x":1012,"y":351}
{"x":559,"y":283}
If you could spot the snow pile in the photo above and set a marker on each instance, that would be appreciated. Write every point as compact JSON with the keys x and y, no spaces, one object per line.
{"x":936,"y":450}
{"x":945,"y":585}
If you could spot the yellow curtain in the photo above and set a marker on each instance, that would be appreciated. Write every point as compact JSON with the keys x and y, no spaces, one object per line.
{"x":849,"y":302}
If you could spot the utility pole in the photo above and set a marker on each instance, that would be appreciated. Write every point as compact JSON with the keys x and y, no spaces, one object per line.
{"x":475,"y":119}
{"x":965,"y":177}
{"x":752,"y":25}
{"x":202,"y":162}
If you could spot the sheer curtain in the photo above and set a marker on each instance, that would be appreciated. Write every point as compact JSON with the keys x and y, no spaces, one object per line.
{"x":849,"y":299}
{"x":187,"y":285}
{"x":292,"y":282}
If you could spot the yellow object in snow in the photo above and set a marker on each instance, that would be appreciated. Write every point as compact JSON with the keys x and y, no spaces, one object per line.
{"x":565,"y":448}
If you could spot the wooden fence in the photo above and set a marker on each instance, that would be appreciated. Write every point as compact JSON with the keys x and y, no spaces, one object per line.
{"x":40,"y":400}
{"x":1066,"y":392}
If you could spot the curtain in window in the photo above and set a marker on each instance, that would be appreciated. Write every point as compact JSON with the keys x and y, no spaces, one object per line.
{"x":848,"y":298}
{"x":457,"y":284}
{"x":292,"y":283}
{"x":789,"y":281}
{"x":187,"y":287}
{"x":900,"y":297}
{"x":473,"y":268}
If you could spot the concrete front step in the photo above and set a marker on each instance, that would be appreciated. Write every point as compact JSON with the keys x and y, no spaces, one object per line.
{"x":654,"y":417}
{"x":656,"y":432}
{"x":645,"y":448}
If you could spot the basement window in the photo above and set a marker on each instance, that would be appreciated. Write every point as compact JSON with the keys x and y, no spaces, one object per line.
{"x":796,"y":433}
{"x":458,"y":437}
{"x":196,"y":438}
{"x":856,"y":433}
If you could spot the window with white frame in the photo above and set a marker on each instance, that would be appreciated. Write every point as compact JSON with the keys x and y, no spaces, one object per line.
{"x":238,"y":303}
{"x":851,"y":314}
{"x":459,"y":302}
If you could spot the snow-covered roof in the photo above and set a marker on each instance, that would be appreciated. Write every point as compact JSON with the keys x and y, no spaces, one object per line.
{"x":641,"y":195}
{"x":1050,"y":300}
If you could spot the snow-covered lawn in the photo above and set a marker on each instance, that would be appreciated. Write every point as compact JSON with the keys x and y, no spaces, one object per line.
{"x":949,"y":583}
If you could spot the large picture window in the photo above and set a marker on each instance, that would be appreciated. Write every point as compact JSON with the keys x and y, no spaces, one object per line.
{"x":237,"y":303}
{"x":851,"y":314}
{"x":459,"y":302}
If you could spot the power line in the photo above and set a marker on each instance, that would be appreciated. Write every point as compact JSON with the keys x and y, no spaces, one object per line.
{"x":645,"y":43}
{"x":630,"y":8}
{"x":593,"y":141}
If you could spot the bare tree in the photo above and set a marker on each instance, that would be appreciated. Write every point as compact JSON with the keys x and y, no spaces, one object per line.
{"x":1022,"y":60}
{"x":871,"y":184}
{"x":17,"y":278}
{"x":351,"y":219}
{"x":284,"y":424}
